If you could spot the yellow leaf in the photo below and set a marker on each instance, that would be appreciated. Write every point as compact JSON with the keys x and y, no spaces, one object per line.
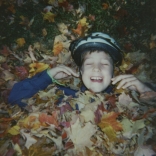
{"x":58,"y":47}
{"x":83,"y":22}
{"x":82,"y":27}
{"x":14,"y":130}
{"x":38,"y":67}
{"x":110,"y":125}
{"x":20,"y":42}
{"x":109,"y":131}
{"x":49,"y":16}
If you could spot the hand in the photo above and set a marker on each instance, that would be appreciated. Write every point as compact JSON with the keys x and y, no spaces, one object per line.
{"x":62,"y":71}
{"x":130,"y":82}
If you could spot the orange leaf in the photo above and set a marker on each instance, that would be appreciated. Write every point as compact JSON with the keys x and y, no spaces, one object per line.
{"x":80,"y":30}
{"x":11,"y":8}
{"x":51,"y":119}
{"x":152,"y":44}
{"x":110,"y":125}
{"x":58,"y":47}
{"x":105,"y":6}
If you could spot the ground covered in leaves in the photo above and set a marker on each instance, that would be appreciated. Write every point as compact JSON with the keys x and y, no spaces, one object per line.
{"x":35,"y":35}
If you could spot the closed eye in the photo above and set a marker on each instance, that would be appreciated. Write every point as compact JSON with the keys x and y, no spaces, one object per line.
{"x":105,"y":64}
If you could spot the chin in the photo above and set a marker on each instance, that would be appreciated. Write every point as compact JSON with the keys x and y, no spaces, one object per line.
{"x":96,"y":90}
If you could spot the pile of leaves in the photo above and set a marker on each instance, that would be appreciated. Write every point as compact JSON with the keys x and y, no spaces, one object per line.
{"x":35,"y":35}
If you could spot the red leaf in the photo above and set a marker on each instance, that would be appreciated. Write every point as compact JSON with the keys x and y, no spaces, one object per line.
{"x":111,"y":99}
{"x":65,"y":108}
{"x":21,"y":72}
{"x":69,"y":145}
{"x":5,"y":51}
{"x":120,"y":14}
{"x":51,"y":119}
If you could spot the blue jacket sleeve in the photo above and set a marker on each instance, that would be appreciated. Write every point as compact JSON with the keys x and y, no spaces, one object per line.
{"x":28,"y":87}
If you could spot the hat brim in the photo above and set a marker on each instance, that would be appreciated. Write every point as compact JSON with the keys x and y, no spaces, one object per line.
{"x":115,"y":54}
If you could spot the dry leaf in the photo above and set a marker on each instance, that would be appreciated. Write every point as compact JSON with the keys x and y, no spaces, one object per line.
{"x":110,"y":125}
{"x":49,"y":16}
{"x":20,"y":42}
{"x":81,"y":135}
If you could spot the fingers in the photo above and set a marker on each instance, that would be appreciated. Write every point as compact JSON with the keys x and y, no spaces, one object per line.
{"x":130,"y":82}
{"x":68,"y":70}
{"x":62,"y":71}
{"x":125,"y":81}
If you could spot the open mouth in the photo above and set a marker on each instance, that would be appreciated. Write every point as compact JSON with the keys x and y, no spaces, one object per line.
{"x":96,"y":79}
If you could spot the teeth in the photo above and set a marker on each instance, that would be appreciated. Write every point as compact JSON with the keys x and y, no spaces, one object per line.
{"x":96,"y":78}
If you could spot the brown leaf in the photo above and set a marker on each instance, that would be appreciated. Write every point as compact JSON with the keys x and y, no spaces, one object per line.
{"x":5,"y":51}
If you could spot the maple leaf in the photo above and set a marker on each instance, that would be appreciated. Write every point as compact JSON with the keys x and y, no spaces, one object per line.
{"x":124,"y":99}
{"x":121,"y":13}
{"x":2,"y":59}
{"x":7,"y":75}
{"x":111,"y":101}
{"x":63,"y":28}
{"x":21,"y":72}
{"x":25,"y":21}
{"x":110,"y":125}
{"x":37,"y":67}
{"x":80,"y":136}
{"x":51,"y":119}
{"x":44,"y":32}
{"x":152,"y":44}
{"x":6,"y":51}
{"x":49,"y":16}
{"x":11,"y":8}
{"x":64,"y":4}
{"x":20,"y":42}
{"x":105,"y":6}
{"x":91,"y":17}
{"x":30,"y":122}
{"x":145,"y":151}
{"x":148,"y":97}
{"x":58,"y":47}
{"x":14,"y":130}
{"x":82,"y":27}
{"x":87,"y":116}
{"x":29,"y":139}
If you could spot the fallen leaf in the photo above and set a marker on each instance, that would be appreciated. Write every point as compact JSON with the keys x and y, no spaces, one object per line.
{"x":20,"y":42}
{"x":29,"y":139}
{"x":105,"y":6}
{"x":110,"y":125}
{"x":7,"y":75}
{"x":58,"y":48}
{"x":50,"y":119}
{"x":81,"y":135}
{"x":5,"y":51}
{"x":49,"y":16}
{"x":21,"y":72}
{"x":14,"y":130}
{"x":37,"y":67}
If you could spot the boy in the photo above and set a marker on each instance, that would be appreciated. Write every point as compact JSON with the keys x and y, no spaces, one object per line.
{"x":95,"y":55}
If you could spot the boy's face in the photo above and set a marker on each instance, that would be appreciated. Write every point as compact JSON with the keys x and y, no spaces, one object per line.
{"x":97,"y":71}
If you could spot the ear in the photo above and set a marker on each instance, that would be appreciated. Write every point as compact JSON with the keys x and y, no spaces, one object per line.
{"x":81,"y":72}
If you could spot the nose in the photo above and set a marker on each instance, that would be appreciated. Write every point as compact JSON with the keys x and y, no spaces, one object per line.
{"x":96,"y":68}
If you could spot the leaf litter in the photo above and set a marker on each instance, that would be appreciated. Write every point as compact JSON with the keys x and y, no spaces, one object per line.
{"x":122,"y":123}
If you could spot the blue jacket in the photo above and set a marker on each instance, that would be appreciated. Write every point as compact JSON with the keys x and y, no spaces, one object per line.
{"x":30,"y":86}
